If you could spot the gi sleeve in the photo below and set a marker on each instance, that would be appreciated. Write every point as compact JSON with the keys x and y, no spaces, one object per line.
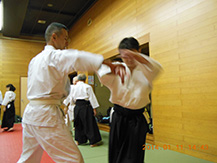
{"x":75,"y":60}
{"x":151,"y":70}
{"x":105,"y":76}
{"x":92,"y":98}
{"x":8,"y":98}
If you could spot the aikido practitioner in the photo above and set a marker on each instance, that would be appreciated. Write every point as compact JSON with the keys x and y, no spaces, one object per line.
{"x":8,"y":108}
{"x":69,"y":106}
{"x":85,"y":111}
{"x":128,"y":125}
{"x":48,"y":84}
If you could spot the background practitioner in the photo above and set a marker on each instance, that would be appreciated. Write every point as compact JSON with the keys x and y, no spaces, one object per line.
{"x":8,"y":108}
{"x":85,"y":111}
{"x":69,"y":106}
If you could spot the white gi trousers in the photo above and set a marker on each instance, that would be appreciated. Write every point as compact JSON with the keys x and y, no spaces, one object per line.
{"x":56,"y":140}
{"x":59,"y":144}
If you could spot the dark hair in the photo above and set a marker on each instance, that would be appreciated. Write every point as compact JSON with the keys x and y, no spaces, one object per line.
{"x":82,"y":77}
{"x":129,"y":43}
{"x":12,"y":88}
{"x":54,"y":28}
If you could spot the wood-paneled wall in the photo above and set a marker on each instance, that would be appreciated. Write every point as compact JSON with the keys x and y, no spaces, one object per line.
{"x":183,"y":38}
{"x":15,"y":56}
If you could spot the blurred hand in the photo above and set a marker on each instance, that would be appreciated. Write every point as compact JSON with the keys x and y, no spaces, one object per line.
{"x":120,"y":70}
{"x":94,"y":112}
{"x":65,"y":110}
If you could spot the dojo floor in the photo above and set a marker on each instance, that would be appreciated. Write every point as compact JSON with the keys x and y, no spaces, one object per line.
{"x":11,"y":148}
{"x":100,"y":154}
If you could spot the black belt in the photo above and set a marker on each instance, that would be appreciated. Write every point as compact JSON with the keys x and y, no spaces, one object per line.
{"x":128,"y":112}
{"x":82,"y":102}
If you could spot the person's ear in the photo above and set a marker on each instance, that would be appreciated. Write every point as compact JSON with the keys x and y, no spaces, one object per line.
{"x":54,"y":36}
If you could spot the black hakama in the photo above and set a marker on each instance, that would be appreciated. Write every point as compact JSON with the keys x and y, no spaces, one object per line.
{"x":127,"y":135}
{"x":85,"y":124}
{"x":9,"y":116}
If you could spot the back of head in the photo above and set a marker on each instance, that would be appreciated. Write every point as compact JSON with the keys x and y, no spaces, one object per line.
{"x":11,"y":87}
{"x":54,"y":28}
{"x":82,"y":77}
{"x":129,"y":43}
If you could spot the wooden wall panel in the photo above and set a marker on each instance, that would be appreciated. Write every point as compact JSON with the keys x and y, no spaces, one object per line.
{"x":182,"y":36}
{"x":15,"y":56}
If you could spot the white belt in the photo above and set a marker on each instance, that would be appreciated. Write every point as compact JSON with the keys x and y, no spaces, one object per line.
{"x":45,"y":102}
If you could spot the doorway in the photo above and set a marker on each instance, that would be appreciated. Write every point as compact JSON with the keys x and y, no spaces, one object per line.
{"x":24,"y":101}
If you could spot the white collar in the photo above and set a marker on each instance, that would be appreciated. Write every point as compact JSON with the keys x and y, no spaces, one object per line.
{"x":49,"y":47}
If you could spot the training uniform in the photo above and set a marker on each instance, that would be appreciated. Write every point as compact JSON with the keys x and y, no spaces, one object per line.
{"x":43,"y":121}
{"x":128,"y":124}
{"x":9,"y":114}
{"x":85,"y":122}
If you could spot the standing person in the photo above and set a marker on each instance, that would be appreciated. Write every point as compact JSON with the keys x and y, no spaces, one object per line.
{"x":8,"y":108}
{"x":48,"y":84}
{"x":69,"y":106}
{"x":85,"y":111}
{"x":128,"y":126}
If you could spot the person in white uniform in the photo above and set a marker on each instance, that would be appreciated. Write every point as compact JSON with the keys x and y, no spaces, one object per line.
{"x":48,"y":84}
{"x":8,"y":108}
{"x":69,"y":106}
{"x":128,"y":124}
{"x":85,"y":111}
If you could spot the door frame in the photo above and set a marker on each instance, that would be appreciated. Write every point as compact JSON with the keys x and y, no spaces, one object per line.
{"x":21,"y":93}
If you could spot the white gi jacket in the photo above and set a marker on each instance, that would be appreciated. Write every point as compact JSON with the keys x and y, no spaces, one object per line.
{"x":48,"y":80}
{"x":9,"y":96}
{"x":134,"y":93}
{"x":83,"y":91}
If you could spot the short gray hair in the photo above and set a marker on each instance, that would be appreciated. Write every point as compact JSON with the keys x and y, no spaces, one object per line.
{"x":54,"y":28}
{"x":82,"y":77}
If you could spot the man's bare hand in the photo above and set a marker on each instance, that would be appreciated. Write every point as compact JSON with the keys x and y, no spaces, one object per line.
{"x":4,"y":108}
{"x":94,"y":112}
{"x":65,"y":110}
